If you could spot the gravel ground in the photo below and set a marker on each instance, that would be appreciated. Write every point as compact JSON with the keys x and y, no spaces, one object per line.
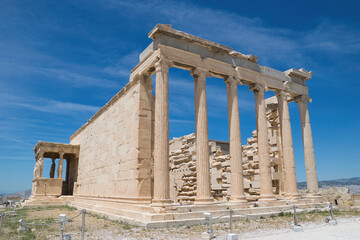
{"x":347,"y":228}
{"x":275,"y":227}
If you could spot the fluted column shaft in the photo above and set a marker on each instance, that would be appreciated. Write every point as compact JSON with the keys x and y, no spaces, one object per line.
{"x":236,"y":168}
{"x":161,"y":142}
{"x":309,"y":156}
{"x":266,"y":192}
{"x":203,"y":189}
{"x":280,"y":149}
{"x":287,"y":145}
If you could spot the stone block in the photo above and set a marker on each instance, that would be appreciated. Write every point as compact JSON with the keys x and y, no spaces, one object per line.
{"x":231,"y":236}
{"x":207,"y":236}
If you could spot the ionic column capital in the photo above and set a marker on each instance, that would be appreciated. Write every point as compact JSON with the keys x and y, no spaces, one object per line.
{"x":232,"y":81}
{"x":257,"y":87}
{"x":302,"y":99}
{"x":282,"y":94}
{"x":200,"y":73}
{"x":162,"y":63}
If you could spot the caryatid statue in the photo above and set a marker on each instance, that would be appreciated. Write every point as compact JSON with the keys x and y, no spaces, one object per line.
{"x":60,"y":166}
{"x":38,"y":169}
{"x":52,"y":168}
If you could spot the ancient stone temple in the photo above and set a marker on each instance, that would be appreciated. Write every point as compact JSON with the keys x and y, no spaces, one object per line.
{"x":122,"y":164}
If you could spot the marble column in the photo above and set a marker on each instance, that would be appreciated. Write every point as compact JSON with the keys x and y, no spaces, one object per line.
{"x":309,"y":156}
{"x":161,"y":141}
{"x":60,"y":166}
{"x":52,"y":168}
{"x":236,"y":169}
{"x":266,"y":192}
{"x":287,"y":147}
{"x":281,"y":157}
{"x":203,"y":189}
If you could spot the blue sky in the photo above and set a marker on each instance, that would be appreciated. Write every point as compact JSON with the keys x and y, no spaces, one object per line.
{"x":60,"y":61}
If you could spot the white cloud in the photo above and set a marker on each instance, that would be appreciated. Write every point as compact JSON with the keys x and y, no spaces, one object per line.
{"x":20,"y":61}
{"x":76,"y":78}
{"x":124,"y":65}
{"x":45,"y":105}
{"x":181,"y":121}
{"x":277,"y":46}
{"x":333,"y":38}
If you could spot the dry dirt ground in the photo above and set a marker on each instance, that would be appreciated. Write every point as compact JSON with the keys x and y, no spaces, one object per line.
{"x":274,"y":227}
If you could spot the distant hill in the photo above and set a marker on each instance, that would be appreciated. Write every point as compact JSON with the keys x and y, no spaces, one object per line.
{"x":334,"y":183}
{"x":23,"y":194}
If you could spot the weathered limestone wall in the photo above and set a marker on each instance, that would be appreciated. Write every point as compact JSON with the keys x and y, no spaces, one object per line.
{"x":183,"y":163}
{"x":115,"y":152}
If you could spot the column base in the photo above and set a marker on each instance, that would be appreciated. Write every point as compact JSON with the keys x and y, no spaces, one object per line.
{"x":161,"y":203}
{"x":313,"y":195}
{"x":204,"y":201}
{"x":238,"y":199}
{"x":267,"y":198}
{"x":292,"y":196}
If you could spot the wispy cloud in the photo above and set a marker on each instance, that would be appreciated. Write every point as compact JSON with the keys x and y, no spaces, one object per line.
{"x":45,"y":105}
{"x":16,"y":140}
{"x":52,"y":106}
{"x":181,"y":121}
{"x":277,"y":46}
{"x":124,"y":65}
{"x":23,"y":62}
{"x":333,"y":38}
{"x":79,"y":79}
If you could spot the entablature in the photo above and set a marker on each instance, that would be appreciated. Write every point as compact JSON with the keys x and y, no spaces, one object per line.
{"x":54,"y":150}
{"x":187,"y":51}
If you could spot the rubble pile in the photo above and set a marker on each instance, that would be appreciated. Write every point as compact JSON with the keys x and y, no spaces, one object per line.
{"x":182,"y":153}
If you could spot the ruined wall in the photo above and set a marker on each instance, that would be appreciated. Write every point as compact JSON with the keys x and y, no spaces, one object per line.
{"x":115,"y":147}
{"x":183,"y":163}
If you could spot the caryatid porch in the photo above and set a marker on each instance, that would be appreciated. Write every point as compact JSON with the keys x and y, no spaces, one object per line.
{"x":55,"y":185}
{"x":172,"y":48}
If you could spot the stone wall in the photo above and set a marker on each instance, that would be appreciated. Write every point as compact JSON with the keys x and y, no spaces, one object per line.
{"x":183,"y":164}
{"x":115,"y":147}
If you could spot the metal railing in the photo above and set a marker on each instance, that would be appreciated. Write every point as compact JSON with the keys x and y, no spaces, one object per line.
{"x":63,"y":221}
{"x":209,"y":220}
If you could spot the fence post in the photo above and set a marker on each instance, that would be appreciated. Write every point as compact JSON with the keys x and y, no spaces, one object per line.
{"x":63,"y":220}
{"x":209,"y":232}
{"x":296,"y":227}
{"x":295,"y":218}
{"x":231,"y":221}
{"x":231,"y":235}
{"x":331,"y":211}
{"x":22,"y":227}
{"x":332,"y":220}
{"x":83,"y":224}
{"x":2,"y":215}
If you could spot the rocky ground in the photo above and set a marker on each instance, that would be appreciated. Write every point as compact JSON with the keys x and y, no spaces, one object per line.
{"x":275,"y":227}
{"x":347,"y":228}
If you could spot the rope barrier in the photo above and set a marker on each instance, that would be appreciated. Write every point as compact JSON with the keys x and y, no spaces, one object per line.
{"x":63,"y":220}
{"x":39,"y":224}
{"x":221,"y":216}
{"x":97,"y":216}
{"x":76,"y":215}
{"x":43,"y":224}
